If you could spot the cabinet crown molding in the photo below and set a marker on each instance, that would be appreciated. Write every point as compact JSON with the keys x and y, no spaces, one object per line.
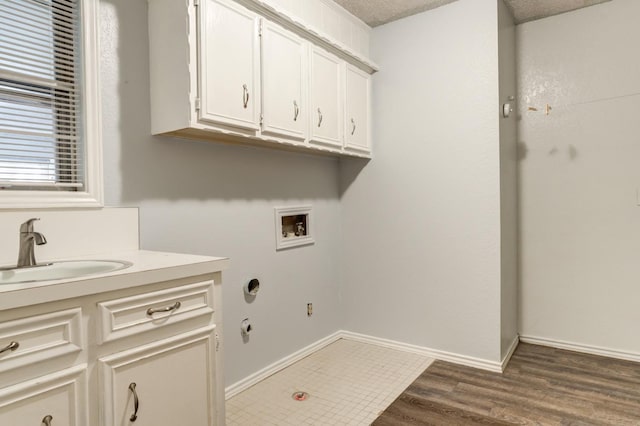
{"x":269,"y":10}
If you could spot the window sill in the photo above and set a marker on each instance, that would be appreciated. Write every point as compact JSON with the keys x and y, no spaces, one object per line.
{"x":18,"y":200}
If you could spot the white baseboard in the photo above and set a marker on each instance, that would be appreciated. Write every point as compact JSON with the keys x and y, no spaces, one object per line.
{"x":285,"y":362}
{"x":483,"y":364}
{"x":432,"y":353}
{"x":281,"y":364}
{"x":577,"y":347}
{"x":512,"y":349}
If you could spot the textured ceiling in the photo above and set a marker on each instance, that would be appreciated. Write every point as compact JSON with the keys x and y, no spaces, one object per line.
{"x":378,"y":12}
{"x":529,"y":10}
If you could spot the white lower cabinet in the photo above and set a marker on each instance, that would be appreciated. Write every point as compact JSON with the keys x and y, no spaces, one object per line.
{"x":140,"y":356}
{"x":58,"y":398}
{"x":170,"y":382}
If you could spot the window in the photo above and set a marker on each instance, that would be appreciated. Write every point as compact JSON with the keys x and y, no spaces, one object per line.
{"x":49,"y":138}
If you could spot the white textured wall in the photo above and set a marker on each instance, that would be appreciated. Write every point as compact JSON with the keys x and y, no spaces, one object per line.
{"x":211,"y":199}
{"x":421,"y":222}
{"x":579,"y":176}
{"x":508,"y":181}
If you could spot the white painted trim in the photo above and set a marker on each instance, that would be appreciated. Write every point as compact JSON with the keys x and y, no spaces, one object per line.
{"x":279,"y":365}
{"x":92,"y":103}
{"x":578,"y":347}
{"x":512,"y":349}
{"x":421,"y":350}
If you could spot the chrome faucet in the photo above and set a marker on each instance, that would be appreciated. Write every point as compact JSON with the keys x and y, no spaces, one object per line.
{"x":26,"y":254}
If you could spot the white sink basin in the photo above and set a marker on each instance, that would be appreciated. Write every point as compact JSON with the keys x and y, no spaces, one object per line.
{"x":61,"y":270}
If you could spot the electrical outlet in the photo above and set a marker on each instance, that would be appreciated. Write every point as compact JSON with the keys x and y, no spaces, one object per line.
{"x":309,"y":309}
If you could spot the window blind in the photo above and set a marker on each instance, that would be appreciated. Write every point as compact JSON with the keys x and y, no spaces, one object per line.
{"x":41,"y":144}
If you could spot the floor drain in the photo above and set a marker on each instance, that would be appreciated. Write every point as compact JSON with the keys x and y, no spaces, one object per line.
{"x":300,"y":396}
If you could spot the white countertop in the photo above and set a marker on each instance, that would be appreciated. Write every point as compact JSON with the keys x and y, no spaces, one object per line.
{"x":147,"y":267}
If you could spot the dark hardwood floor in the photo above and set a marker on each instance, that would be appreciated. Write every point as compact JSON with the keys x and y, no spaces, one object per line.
{"x":541,"y":386}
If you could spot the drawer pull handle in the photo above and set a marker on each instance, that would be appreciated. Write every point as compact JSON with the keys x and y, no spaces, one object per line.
{"x":136,"y":403}
{"x":245,"y":96}
{"x":319,"y":117}
{"x":47,"y":420}
{"x":296,"y":111}
{"x":173,"y":307}
{"x":12,"y":346}
{"x":353,"y":128}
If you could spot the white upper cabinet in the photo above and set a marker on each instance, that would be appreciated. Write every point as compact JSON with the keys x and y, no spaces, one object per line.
{"x":326,"y":101}
{"x":242,"y":71}
{"x":357,"y":109}
{"x":229,"y":64}
{"x":284,"y":82}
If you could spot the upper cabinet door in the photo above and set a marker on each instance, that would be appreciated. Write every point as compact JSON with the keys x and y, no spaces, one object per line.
{"x":326,"y":103}
{"x":357,"y":109}
{"x":284,"y":76}
{"x":229,"y":76}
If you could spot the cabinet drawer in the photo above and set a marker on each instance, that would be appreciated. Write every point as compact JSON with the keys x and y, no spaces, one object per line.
{"x":59,"y":396}
{"x":149,"y":311}
{"x":39,"y":338}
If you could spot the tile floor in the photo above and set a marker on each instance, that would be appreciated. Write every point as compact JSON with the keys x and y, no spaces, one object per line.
{"x":349,"y":383}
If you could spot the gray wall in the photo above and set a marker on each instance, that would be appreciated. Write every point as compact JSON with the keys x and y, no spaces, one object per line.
{"x":579,"y":176}
{"x":218,"y":200}
{"x":421,"y":222}
{"x":416,"y":245}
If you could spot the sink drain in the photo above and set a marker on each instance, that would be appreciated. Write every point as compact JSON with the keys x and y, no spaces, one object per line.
{"x":300,"y":396}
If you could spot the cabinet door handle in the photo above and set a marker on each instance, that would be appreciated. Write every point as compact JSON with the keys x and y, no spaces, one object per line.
{"x":136,"y":403}
{"x":12,"y":346}
{"x":319,"y":117}
{"x":173,"y":307}
{"x":296,"y":111}
{"x":47,"y":420}
{"x":353,"y":128}
{"x":245,"y":96}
